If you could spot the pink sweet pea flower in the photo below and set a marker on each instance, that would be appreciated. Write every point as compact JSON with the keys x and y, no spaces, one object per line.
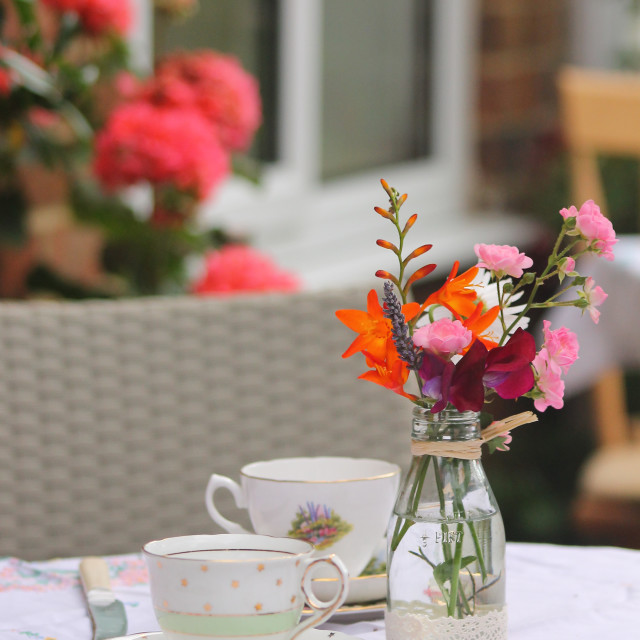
{"x":596,"y":229}
{"x":561,"y":345}
{"x":502,"y":259}
{"x":594,"y":296}
{"x":548,"y":382}
{"x":444,"y":338}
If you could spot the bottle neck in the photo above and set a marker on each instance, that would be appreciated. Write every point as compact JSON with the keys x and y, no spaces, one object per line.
{"x":448,"y":425}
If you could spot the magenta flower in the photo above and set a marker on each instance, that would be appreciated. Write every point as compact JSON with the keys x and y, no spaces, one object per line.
{"x":596,"y":229}
{"x":508,"y":368}
{"x":561,"y":345}
{"x":594,"y":296}
{"x":548,"y":383}
{"x":431,"y":371}
{"x":459,"y":384}
{"x":502,"y":259}
{"x":444,"y":338}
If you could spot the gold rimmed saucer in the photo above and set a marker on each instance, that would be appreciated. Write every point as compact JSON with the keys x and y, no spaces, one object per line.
{"x":362,"y":589}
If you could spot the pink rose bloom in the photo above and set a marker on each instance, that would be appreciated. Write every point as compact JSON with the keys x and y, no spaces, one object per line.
{"x":238,"y":269}
{"x":567,"y":265}
{"x":502,"y":259}
{"x":444,"y":337}
{"x":596,"y":229}
{"x":594,"y":296}
{"x":97,"y":17}
{"x":548,"y":382}
{"x":561,"y":345}
{"x":571,"y":212}
{"x":216,"y":85}
{"x":142,"y":142}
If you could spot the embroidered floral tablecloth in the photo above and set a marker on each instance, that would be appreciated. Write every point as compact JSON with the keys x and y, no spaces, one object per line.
{"x":554,"y":593}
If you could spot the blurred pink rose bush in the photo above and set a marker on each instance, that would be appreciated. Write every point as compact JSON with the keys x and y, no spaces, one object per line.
{"x":242,"y":269}
{"x":173,"y":132}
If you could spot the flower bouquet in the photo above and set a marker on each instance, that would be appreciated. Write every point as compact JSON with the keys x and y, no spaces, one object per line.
{"x":465,"y":345}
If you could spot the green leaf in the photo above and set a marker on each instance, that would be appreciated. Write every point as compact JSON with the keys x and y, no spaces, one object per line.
{"x":26,"y":10}
{"x":13,"y":209}
{"x":444,"y":570}
{"x":485,"y":419}
{"x":41,"y":83}
{"x":496,"y":442}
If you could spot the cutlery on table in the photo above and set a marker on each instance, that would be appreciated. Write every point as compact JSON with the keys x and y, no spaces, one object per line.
{"x":107,"y":614}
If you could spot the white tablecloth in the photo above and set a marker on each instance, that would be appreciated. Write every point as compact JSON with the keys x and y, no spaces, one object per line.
{"x":553,"y":592}
{"x":615,"y":340}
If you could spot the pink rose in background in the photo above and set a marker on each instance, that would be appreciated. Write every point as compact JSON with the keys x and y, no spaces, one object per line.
{"x":143,"y":142}
{"x":240,"y":268}
{"x":444,"y":337}
{"x":502,"y":259}
{"x":594,"y":296}
{"x":596,"y":229}
{"x":562,"y":346}
{"x":548,"y":382}
{"x":216,"y":85}
{"x":97,"y":17}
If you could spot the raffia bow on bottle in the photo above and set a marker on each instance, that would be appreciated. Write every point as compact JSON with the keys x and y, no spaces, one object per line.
{"x":471,"y":449}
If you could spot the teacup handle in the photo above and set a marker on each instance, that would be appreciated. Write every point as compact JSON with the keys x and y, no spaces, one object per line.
{"x":215,"y":482}
{"x":322,"y":610}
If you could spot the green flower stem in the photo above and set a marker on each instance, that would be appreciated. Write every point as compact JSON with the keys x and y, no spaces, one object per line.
{"x":402,"y":524}
{"x":455,"y":573}
{"x":446,"y":547}
{"x":551,"y":263}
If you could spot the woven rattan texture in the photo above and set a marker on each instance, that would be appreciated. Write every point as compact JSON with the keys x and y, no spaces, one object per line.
{"x":113,"y":414}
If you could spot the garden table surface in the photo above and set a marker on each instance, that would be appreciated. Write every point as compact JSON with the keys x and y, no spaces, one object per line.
{"x":553,"y":592}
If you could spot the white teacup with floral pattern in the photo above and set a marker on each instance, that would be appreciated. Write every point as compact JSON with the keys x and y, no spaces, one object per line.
{"x":338,"y":504}
{"x":221,"y":587}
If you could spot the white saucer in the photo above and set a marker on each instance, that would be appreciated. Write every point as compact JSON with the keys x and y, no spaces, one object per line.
{"x":310,"y":634}
{"x":361,"y":589}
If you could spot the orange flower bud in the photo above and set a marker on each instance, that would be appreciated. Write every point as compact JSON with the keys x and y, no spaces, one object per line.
{"x":385,"y":185}
{"x":383,"y":212}
{"x":410,"y":223}
{"x":385,"y":244}
{"x":420,"y":273}
{"x":385,"y":275}
{"x":417,"y":252}
{"x":402,"y":199}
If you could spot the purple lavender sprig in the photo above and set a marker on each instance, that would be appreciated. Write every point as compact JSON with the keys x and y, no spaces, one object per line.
{"x":407,"y":351}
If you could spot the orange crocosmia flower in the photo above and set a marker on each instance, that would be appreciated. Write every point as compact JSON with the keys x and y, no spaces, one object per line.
{"x":456,"y":294}
{"x":391,"y":373}
{"x":374,"y":329}
{"x":478,"y":322}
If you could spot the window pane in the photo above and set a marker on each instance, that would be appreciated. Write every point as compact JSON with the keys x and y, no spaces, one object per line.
{"x":376,"y":79}
{"x":247,"y":29}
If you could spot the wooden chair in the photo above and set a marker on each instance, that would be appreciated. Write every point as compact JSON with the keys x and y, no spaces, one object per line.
{"x":600,"y":114}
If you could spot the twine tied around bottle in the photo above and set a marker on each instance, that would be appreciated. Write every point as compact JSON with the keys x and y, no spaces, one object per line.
{"x":471,"y":449}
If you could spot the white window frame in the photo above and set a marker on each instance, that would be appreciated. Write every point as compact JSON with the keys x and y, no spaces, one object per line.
{"x":325,"y":231}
